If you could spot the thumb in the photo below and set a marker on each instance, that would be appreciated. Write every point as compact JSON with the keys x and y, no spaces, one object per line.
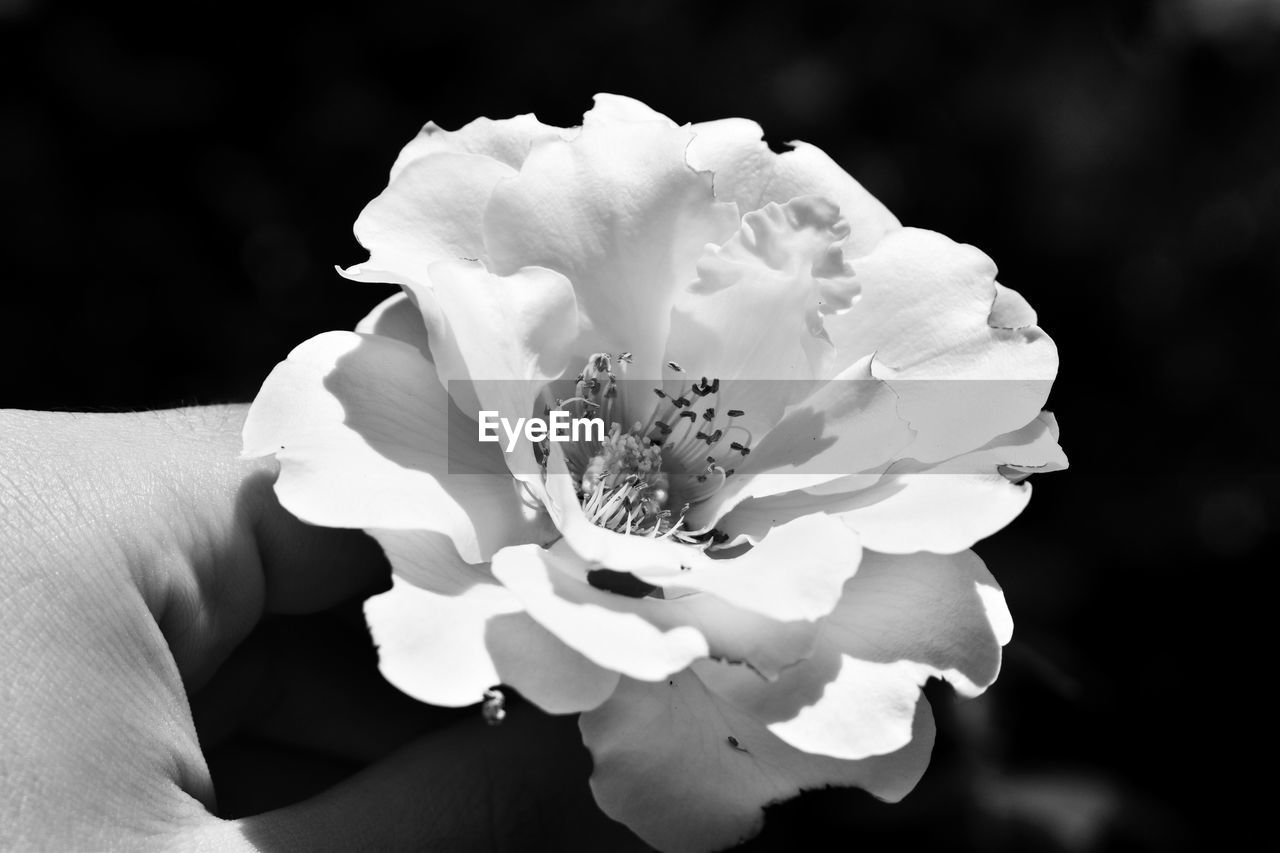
{"x":238,"y":552}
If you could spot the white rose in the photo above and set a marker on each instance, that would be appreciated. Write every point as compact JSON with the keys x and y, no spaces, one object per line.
{"x":743,"y":601}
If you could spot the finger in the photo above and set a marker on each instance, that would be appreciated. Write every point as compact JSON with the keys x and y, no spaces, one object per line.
{"x":210,"y":547}
{"x":467,"y":787}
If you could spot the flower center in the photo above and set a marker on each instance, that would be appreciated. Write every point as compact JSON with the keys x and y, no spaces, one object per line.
{"x":679,"y":453}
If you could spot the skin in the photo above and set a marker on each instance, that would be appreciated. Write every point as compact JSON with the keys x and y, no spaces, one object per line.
{"x":139,"y":557}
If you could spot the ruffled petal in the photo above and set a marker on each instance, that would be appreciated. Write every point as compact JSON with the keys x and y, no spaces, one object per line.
{"x":690,"y":772}
{"x":603,"y":626}
{"x":360,"y":425}
{"x":925,"y":313}
{"x":902,"y":621}
{"x":748,"y":173}
{"x":944,"y":507}
{"x":755,"y":311}
{"x":618,"y":211}
{"x":797,"y":572}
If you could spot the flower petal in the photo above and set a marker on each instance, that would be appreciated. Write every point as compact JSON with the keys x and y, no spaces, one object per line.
{"x":507,"y":140}
{"x":360,"y":425}
{"x":432,"y":646}
{"x":398,"y":318}
{"x":434,"y":202}
{"x":902,"y":620}
{"x":603,"y":626}
{"x":755,"y":310}
{"x":456,"y":632}
{"x":797,"y":572}
{"x":944,"y":507}
{"x":846,"y":425}
{"x":748,"y":173}
{"x":925,"y":312}
{"x":432,"y":210}
{"x":495,"y":342}
{"x":689,"y":771}
{"x":619,"y":213}
{"x":546,"y":671}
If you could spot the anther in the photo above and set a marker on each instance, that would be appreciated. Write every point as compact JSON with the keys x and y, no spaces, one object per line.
{"x":690,"y":415}
{"x":709,"y":415}
{"x":677,"y":368}
{"x":736,"y":413}
{"x":744,"y":450}
{"x":660,"y":393}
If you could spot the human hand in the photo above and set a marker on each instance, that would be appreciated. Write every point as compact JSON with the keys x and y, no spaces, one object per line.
{"x":138,"y":553}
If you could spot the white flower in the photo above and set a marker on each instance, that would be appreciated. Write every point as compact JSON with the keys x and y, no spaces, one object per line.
{"x":745,"y":587}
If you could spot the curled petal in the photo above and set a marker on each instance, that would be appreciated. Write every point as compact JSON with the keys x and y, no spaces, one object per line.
{"x":360,"y":425}
{"x":689,"y":771}
{"x":901,"y":621}
{"x":619,"y":213}
{"x":748,"y":173}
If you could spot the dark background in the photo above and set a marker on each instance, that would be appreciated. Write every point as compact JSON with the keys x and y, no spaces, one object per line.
{"x":176,"y":186}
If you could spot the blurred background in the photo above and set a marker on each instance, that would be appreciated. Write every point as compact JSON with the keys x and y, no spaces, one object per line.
{"x":177,"y":183}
